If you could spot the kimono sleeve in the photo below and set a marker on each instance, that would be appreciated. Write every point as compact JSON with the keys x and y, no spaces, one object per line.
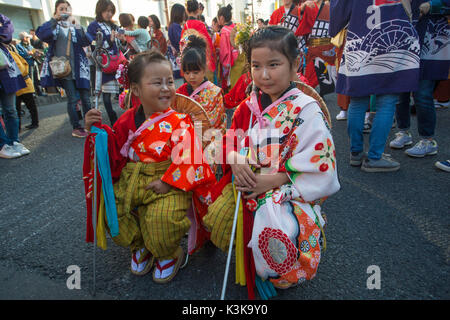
{"x":307,"y":22}
{"x":237,"y":132}
{"x":312,"y":167}
{"x":340,"y":12}
{"x":82,"y":38}
{"x":45,"y":32}
{"x":188,"y":170}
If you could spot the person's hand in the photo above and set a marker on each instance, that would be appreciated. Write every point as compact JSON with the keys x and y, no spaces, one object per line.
{"x":73,"y":21}
{"x":113,"y":35}
{"x":424,"y":8}
{"x":264,"y":183}
{"x":159,"y":187}
{"x":91,"y":117}
{"x":243,"y":174}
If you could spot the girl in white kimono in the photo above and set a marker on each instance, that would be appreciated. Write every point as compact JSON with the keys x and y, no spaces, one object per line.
{"x":284,"y":165}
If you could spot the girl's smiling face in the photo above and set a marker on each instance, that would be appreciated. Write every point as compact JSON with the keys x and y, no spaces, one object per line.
{"x":271,"y":71}
{"x":156,"y":88}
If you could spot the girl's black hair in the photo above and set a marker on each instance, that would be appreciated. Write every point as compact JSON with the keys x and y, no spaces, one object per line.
{"x":140,"y":61}
{"x":276,"y":38}
{"x":192,"y":6}
{"x":177,"y":14}
{"x":143,"y":22}
{"x":225,"y":12}
{"x":194,"y":55}
{"x":156,"y":22}
{"x":58,"y":2}
{"x":102,"y":6}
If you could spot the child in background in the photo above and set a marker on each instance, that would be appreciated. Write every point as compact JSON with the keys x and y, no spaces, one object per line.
{"x":197,"y":87}
{"x":152,"y":175}
{"x":141,"y":34}
{"x":287,"y":135}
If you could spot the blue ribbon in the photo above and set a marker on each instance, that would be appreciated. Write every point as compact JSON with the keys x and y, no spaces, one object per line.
{"x":101,"y":150}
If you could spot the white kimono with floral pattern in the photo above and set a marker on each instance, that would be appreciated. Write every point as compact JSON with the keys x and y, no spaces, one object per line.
{"x":288,"y":220}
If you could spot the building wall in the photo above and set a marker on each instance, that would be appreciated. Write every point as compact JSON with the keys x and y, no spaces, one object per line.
{"x":22,"y":18}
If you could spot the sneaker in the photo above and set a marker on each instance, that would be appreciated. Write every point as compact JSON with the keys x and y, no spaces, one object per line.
{"x":441,"y":105}
{"x":402,"y":138}
{"x":423,"y":148}
{"x":8,"y":152}
{"x":20,"y":148}
{"x":342,"y":115}
{"x":385,"y":164}
{"x":356,"y":158}
{"x":443,"y":165}
{"x":79,"y":133}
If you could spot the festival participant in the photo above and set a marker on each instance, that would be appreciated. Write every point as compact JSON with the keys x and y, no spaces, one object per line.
{"x":227,"y":54}
{"x":177,"y":18}
{"x":126,"y":22}
{"x":155,"y":26}
{"x":193,"y":26}
{"x":141,"y":35}
{"x":318,"y":54}
{"x":361,"y":74}
{"x":11,"y":81}
{"x":288,"y":183}
{"x":64,"y":33}
{"x":286,"y":16}
{"x":151,"y":173}
{"x":104,"y":12}
{"x":434,"y":35}
{"x":197,"y":87}
{"x":26,"y":94}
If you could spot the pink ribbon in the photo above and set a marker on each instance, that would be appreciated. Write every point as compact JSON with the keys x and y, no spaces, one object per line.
{"x":132,"y":135}
{"x":204,"y":85}
{"x":254,"y":106}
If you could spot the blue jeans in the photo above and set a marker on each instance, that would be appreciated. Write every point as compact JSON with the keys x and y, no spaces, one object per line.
{"x":381,"y":125}
{"x":425,"y":110}
{"x":72,"y":99}
{"x":10,"y":118}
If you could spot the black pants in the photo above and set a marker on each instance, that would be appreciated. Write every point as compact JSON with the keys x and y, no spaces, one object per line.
{"x":30,"y":103}
{"x":109,"y":108}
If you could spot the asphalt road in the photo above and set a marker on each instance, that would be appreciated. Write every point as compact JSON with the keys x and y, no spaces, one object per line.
{"x":397,"y":221}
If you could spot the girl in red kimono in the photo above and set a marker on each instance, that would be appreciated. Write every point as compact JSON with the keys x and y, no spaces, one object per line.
{"x":156,"y":165}
{"x":197,"y":87}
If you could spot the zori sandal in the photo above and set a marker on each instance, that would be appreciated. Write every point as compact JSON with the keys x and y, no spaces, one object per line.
{"x":160,"y":266}
{"x":141,"y":262}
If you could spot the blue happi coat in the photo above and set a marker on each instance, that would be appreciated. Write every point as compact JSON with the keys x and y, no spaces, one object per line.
{"x":109,"y":45}
{"x":11,"y":79}
{"x":382,"y":51}
{"x":434,"y":35}
{"x":48,"y":32}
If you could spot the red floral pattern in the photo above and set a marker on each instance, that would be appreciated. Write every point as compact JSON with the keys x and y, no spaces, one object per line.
{"x":278,"y":250}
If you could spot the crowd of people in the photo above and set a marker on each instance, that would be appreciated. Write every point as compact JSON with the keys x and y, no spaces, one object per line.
{"x":375,"y":55}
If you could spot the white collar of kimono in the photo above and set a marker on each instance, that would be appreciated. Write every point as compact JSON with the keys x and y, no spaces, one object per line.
{"x":253,"y":105}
